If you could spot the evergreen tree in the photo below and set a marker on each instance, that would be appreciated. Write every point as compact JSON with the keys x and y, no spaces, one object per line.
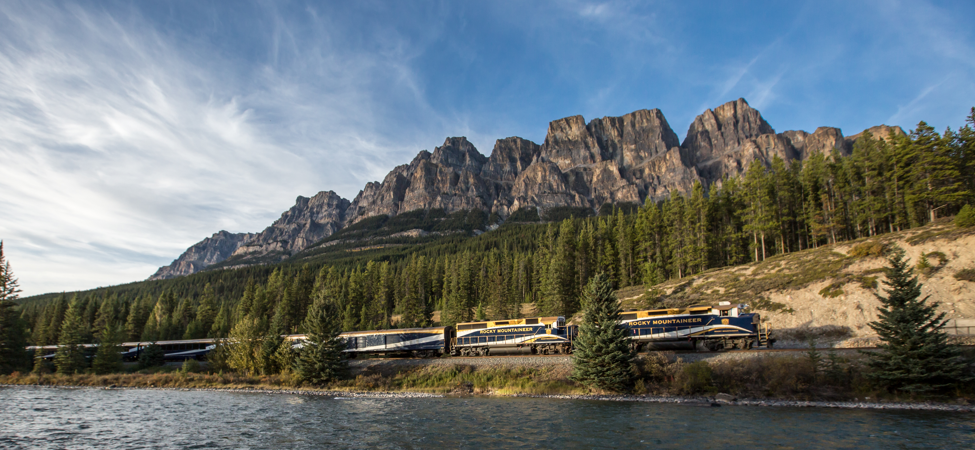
{"x":602,"y":353}
{"x":70,"y":357}
{"x":9,"y":286}
{"x":320,"y":359}
{"x":13,"y":335}
{"x":221,"y":324}
{"x":245,"y":351}
{"x":152,"y":356}
{"x":914,"y":354}
{"x":13,"y":339}
{"x":108,"y":358}
{"x":206,"y":312}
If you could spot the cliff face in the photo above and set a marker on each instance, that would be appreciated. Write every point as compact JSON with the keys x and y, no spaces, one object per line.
{"x":608,"y":160}
{"x":308,"y":221}
{"x":209,"y":251}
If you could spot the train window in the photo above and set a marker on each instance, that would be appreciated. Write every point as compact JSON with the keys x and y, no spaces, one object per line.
{"x":724,"y":313}
{"x":491,"y":339}
{"x":628,"y":316}
{"x":500,"y":323}
{"x":531,"y":321}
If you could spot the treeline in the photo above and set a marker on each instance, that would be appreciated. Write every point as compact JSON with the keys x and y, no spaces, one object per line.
{"x":885,"y":185}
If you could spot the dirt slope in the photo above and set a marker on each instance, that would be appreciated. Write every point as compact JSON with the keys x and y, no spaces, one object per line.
{"x":828,"y":292}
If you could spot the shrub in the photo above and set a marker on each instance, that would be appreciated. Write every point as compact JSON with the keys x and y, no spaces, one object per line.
{"x":869,"y":249}
{"x":965,"y":275}
{"x":940,"y":256}
{"x":832,"y":291}
{"x":868,"y":282}
{"x":191,"y":366}
{"x":697,"y":378}
{"x":965,"y":217}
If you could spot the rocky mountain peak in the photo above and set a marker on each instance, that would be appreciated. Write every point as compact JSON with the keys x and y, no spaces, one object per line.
{"x":633,"y":138}
{"x":199,"y":256}
{"x":569,"y":143}
{"x":823,"y":140}
{"x":879,"y":132}
{"x":308,"y":221}
{"x":510,"y":157}
{"x":724,"y":129}
{"x":459,"y":154}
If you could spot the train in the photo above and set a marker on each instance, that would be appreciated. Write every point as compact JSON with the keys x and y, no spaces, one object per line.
{"x":700,"y":328}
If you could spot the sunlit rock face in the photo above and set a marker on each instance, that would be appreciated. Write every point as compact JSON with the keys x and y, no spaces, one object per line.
{"x":307,"y":222}
{"x":209,"y":251}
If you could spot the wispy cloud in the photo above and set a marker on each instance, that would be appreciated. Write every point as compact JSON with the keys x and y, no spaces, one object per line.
{"x":121,"y":148}
{"x":910,"y":110}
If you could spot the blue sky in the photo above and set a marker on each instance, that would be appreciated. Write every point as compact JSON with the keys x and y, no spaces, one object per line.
{"x":131,"y":130}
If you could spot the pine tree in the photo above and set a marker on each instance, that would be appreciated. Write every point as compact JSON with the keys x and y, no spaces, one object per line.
{"x":13,"y":335}
{"x":108,"y":358}
{"x":152,"y":356}
{"x":9,"y":286}
{"x":320,"y":359}
{"x":70,"y":357}
{"x":914,"y":354}
{"x":244,"y":353}
{"x":602,"y":354}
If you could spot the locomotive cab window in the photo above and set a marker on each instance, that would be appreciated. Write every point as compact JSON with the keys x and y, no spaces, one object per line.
{"x":725,"y":313}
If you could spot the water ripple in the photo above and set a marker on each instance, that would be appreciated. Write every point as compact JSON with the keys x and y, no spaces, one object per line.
{"x":162,"y":419}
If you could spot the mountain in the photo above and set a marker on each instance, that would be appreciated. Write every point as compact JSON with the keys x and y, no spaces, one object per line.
{"x":209,"y":251}
{"x":580,"y":165}
{"x":308,"y":221}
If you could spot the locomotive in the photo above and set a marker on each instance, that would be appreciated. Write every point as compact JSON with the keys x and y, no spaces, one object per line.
{"x":702,"y":328}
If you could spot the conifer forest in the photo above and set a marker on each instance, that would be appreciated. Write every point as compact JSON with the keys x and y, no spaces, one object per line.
{"x":885,"y":185}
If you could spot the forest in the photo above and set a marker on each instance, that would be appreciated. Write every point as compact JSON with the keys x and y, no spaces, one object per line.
{"x":884,"y":185}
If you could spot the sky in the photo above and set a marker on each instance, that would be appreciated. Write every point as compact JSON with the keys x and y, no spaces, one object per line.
{"x":131,"y":130}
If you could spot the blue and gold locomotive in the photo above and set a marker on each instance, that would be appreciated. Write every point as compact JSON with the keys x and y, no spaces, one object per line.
{"x":704,"y":327}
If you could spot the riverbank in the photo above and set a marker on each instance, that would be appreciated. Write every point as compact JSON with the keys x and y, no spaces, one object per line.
{"x":822,"y":379}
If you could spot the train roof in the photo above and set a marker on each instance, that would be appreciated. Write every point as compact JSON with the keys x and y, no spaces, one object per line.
{"x":522,"y":321}
{"x":395,"y":331}
{"x":696,"y":309}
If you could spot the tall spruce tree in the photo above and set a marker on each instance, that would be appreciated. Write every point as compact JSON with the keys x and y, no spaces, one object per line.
{"x":108,"y":358}
{"x":914,"y":353}
{"x":70,"y":357}
{"x":602,"y":355}
{"x":13,"y":335}
{"x":320,"y":360}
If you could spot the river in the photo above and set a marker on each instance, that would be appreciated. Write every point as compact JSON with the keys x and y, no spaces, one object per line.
{"x":35,"y":417}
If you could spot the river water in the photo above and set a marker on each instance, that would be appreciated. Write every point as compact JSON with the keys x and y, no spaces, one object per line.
{"x":34,"y":417}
